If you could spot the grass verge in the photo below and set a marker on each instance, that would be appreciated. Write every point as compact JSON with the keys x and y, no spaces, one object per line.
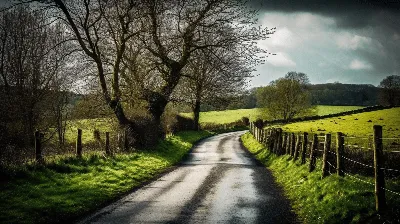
{"x":322,"y":200}
{"x":68,"y":188}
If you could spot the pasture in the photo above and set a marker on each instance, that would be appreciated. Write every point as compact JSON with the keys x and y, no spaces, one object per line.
{"x":229,"y":116}
{"x":358,"y":125}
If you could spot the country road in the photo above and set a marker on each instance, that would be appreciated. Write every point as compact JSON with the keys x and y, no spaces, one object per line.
{"x":218,"y":182}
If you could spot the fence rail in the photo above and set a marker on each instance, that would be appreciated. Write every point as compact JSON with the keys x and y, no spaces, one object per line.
{"x":303,"y":146}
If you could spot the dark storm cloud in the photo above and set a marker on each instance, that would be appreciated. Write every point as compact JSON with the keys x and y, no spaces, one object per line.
{"x":370,"y":29}
{"x":348,"y":13}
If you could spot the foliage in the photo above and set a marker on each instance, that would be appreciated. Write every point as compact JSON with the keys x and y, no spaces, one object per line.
{"x":69,"y":188}
{"x":246,"y":120}
{"x":344,"y":94}
{"x":315,"y":200}
{"x":390,"y":90}
{"x":286,"y":97}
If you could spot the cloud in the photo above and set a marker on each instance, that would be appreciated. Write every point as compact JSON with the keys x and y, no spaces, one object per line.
{"x":348,"y":14}
{"x":353,"y":42}
{"x":360,"y":65}
{"x":281,"y":60}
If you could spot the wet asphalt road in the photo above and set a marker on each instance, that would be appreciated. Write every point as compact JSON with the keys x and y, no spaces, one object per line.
{"x":218,"y":182}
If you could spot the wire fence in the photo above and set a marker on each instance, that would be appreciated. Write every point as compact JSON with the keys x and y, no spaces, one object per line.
{"x":362,"y":159}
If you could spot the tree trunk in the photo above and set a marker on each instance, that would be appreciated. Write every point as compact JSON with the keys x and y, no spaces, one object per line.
{"x":196,"y":112}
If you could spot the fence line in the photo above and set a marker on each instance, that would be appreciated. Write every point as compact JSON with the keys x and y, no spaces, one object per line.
{"x":298,"y":145}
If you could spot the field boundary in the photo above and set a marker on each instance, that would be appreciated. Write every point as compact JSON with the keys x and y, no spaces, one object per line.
{"x":318,"y":117}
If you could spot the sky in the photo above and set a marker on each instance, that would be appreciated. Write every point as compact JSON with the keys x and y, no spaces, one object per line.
{"x":346,"y":41}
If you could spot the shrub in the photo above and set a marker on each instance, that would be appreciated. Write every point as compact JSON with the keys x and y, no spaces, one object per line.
{"x":259,"y":123}
{"x":246,"y":121}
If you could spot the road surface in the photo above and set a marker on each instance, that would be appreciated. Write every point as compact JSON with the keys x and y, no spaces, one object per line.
{"x":218,"y":182}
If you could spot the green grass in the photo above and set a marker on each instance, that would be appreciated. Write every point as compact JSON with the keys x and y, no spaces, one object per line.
{"x":68,"y":188}
{"x":325,"y":110}
{"x":315,"y":200}
{"x":88,"y":126}
{"x":229,"y":116}
{"x":360,"y":125}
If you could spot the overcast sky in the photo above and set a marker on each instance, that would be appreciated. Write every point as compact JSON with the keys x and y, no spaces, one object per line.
{"x":348,"y":41}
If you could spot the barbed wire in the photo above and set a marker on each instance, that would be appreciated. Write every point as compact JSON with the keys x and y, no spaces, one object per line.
{"x":354,"y":177}
{"x":355,"y":137}
{"x":393,"y":192}
{"x":357,"y":146}
{"x":388,"y":169}
{"x":392,"y":151}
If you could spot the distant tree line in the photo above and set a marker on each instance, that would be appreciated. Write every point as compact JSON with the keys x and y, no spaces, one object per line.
{"x":293,"y":95}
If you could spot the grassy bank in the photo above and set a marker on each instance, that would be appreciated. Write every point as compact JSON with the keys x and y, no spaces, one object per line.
{"x":68,"y":188}
{"x":316,"y":200}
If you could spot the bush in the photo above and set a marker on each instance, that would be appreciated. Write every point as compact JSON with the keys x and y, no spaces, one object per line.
{"x":259,"y":123}
{"x":246,"y":121}
{"x":183,"y":123}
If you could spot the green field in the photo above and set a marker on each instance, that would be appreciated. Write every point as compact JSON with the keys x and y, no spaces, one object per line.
{"x":67,"y":188}
{"x":88,"y":126}
{"x":228,"y":116}
{"x":360,"y":125}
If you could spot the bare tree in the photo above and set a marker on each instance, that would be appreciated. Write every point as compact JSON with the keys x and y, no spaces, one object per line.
{"x":175,"y":30}
{"x":213,"y":75}
{"x":30,"y":59}
{"x":102,"y":30}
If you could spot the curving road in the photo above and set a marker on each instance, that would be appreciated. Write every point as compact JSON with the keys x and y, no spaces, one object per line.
{"x":218,"y":182}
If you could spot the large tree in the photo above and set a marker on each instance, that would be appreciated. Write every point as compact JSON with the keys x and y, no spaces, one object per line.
{"x":176,"y":30}
{"x":284,"y":98}
{"x":390,"y":90}
{"x":162,"y":35}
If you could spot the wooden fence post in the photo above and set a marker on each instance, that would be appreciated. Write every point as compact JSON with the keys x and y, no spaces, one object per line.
{"x":279,"y":142}
{"x":284,"y":143}
{"x":339,"y":154}
{"x":108,"y":151}
{"x":79,"y":143}
{"x":380,"y":200}
{"x":275,"y":141}
{"x":327,"y":149}
{"x":304,"y":148}
{"x":272,"y":140}
{"x":287,"y":149}
{"x":256,"y":130}
{"x":265,"y":136}
{"x":38,"y":148}
{"x":296,"y":148}
{"x":292,"y":143}
{"x":313,"y":149}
